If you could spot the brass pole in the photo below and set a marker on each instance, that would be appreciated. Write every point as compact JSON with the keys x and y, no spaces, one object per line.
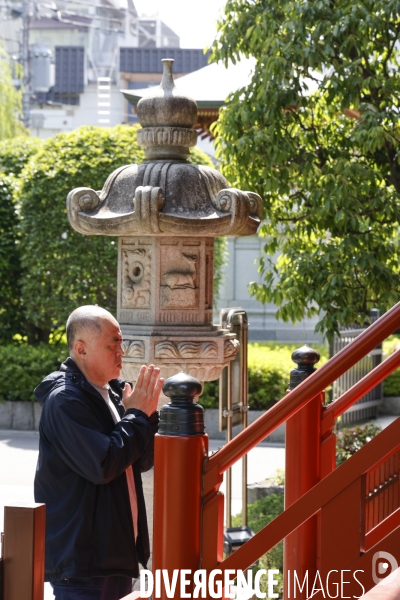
{"x":228,"y":439}
{"x":244,"y":400}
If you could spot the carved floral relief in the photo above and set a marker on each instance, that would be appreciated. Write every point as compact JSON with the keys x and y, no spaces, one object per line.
{"x":186,"y":350}
{"x":136,"y":278}
{"x":133,"y":349}
{"x":231,"y":347}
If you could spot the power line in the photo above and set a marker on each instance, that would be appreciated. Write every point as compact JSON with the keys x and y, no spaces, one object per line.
{"x":87,"y":25}
{"x":90,"y":17}
{"x":91,"y":5}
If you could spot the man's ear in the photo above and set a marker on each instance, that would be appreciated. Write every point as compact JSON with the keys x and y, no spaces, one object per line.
{"x":80,"y":349}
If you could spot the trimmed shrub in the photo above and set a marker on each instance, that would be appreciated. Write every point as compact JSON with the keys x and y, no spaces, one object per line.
{"x":11,"y":313}
{"x":269,"y":366}
{"x":24,"y":366}
{"x":350,"y":440}
{"x":15,"y":153}
{"x":62,"y":268}
{"x":391,"y":385}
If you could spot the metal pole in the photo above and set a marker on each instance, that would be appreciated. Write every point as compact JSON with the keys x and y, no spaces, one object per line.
{"x":26,"y":64}
{"x":236,"y":321}
{"x":228,"y":439}
{"x":244,"y":341}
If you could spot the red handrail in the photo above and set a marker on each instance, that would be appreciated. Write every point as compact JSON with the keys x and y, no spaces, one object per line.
{"x":371,"y":455}
{"x":362,"y":387}
{"x":299,"y":397}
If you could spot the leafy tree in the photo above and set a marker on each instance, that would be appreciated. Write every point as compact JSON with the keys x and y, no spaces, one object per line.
{"x":316,"y":134}
{"x":62,"y":268}
{"x":11,"y":317}
{"x":15,"y":153}
{"x":10,"y":101}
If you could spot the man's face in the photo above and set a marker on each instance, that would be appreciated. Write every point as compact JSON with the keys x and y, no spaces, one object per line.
{"x":104,"y":353}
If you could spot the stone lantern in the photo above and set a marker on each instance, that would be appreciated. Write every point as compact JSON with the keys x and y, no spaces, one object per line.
{"x":166,"y":213}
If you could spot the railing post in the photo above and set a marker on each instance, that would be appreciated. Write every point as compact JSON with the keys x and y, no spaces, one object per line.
{"x":181,"y":447}
{"x":303,"y":471}
{"x":24,"y":552}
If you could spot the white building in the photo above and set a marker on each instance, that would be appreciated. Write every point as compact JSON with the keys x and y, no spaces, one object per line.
{"x":78,"y":53}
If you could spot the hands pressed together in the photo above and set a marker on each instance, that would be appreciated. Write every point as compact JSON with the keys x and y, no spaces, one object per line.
{"x":146,"y":392}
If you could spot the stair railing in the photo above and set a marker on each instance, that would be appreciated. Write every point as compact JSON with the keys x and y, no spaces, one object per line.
{"x":340,"y":499}
{"x":189,"y":508}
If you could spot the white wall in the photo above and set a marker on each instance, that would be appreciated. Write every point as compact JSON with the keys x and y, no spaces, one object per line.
{"x":67,"y":118}
{"x":240,"y":270}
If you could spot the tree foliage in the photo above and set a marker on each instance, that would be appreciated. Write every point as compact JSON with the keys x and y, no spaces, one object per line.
{"x":15,"y":153}
{"x":10,"y":101}
{"x":23,"y":367}
{"x":13,"y":156}
{"x":11,"y":317}
{"x":316,"y":134}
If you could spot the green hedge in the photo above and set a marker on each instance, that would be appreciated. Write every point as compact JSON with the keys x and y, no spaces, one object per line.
{"x":391,"y":385}
{"x":23,"y":367}
{"x":269,"y":364}
{"x":11,"y":313}
{"x":269,"y":367}
{"x":15,"y":153}
{"x":352,"y":439}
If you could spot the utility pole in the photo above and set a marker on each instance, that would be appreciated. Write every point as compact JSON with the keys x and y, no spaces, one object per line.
{"x":26,"y":64}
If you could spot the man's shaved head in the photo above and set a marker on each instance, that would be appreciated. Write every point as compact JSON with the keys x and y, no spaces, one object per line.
{"x":85,"y":319}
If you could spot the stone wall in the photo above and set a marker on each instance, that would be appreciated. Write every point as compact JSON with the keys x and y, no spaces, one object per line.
{"x":20,"y":415}
{"x":390,"y":406}
{"x":25,"y":416}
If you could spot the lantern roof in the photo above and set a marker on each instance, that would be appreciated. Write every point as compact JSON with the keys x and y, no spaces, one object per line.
{"x":165,"y":195}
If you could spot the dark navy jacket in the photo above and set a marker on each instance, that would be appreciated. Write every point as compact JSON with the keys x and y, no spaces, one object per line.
{"x":81,"y":477}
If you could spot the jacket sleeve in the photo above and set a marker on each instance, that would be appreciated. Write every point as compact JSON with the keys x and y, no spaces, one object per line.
{"x":146,"y":461}
{"x":75,"y":432}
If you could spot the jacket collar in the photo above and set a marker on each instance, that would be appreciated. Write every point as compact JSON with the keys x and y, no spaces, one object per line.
{"x":69,"y":366}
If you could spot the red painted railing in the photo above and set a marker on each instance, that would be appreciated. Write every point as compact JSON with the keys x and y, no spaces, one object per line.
{"x":374,"y":481}
{"x":305,"y":392}
{"x":333,"y":518}
{"x":340,"y":500}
